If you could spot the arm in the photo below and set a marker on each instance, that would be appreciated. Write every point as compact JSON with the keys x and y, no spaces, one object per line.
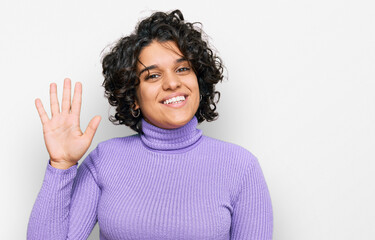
{"x":66,"y":207}
{"x":252,"y":214}
{"x":68,"y":198}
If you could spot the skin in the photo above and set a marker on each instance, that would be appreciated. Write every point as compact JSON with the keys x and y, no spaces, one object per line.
{"x":168,"y":74}
{"x":65,"y":142}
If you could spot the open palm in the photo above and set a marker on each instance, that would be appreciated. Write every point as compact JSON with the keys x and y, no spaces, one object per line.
{"x":65,"y":142}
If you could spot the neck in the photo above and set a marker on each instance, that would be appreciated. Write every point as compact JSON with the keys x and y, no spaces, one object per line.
{"x":171,"y":140}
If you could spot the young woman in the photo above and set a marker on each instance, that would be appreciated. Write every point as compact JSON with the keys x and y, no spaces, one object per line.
{"x":166,"y":182}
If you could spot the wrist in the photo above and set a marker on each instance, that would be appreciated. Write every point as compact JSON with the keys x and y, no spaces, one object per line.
{"x":61,"y":164}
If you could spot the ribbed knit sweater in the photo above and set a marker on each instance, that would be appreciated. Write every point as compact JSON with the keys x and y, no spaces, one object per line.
{"x":162,"y":184}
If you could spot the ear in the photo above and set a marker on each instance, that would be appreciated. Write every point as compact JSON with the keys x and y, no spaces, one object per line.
{"x":136,"y":105}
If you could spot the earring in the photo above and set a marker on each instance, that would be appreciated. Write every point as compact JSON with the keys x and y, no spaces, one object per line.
{"x":135,"y":115}
{"x":200,"y":97}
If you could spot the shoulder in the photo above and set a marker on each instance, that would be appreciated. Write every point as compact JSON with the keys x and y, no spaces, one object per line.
{"x":116,"y":144}
{"x":237,"y":164}
{"x":105,"y":150}
{"x":232,"y":158}
{"x":228,"y":150}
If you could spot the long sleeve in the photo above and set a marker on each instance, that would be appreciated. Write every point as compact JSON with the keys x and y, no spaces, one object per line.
{"x":252,"y":214}
{"x":164,"y":184}
{"x":66,"y":206}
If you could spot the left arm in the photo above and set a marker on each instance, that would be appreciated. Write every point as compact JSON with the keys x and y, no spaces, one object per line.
{"x":252,"y":216}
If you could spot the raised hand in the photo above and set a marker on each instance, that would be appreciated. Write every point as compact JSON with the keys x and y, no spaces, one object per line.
{"x":65,"y":142}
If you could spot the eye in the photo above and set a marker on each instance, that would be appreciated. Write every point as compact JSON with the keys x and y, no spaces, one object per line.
{"x":183,"y":69}
{"x":152,"y":76}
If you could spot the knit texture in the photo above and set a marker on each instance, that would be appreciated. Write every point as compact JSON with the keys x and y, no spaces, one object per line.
{"x":163,"y":184}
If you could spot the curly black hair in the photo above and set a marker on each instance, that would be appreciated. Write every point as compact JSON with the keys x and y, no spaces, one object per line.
{"x":120,"y":65}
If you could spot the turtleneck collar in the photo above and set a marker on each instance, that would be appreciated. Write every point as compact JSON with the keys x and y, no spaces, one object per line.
{"x":178,"y":139}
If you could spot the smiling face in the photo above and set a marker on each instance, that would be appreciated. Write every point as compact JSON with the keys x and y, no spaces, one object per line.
{"x":168,"y":93}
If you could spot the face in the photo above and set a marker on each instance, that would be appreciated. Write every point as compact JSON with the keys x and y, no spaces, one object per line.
{"x":168,"y":93}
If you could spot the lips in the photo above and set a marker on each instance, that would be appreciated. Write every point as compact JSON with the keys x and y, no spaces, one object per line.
{"x":173,"y":100}
{"x":173,"y":95}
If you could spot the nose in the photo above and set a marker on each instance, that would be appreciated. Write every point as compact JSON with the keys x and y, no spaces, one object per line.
{"x":171,"y":81}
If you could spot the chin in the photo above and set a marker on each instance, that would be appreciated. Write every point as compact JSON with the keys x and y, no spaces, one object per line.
{"x":177,"y":121}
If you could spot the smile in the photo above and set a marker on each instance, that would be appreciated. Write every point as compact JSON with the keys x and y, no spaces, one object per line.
{"x":174,"y":100}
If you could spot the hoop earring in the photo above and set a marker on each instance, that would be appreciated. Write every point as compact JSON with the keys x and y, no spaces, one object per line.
{"x":135,"y":115}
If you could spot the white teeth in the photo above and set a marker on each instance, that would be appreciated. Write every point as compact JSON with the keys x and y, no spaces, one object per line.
{"x":175,"y":100}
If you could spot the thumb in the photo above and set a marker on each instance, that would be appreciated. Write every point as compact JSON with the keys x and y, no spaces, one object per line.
{"x":91,"y":128}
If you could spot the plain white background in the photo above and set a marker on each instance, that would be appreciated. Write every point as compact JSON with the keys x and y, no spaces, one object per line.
{"x":299,"y":94}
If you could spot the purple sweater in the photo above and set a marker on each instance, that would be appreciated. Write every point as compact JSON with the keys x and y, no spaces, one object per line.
{"x":163,"y":184}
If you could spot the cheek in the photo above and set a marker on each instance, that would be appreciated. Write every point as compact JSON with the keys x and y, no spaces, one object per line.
{"x":194,"y":86}
{"x":146,"y":95}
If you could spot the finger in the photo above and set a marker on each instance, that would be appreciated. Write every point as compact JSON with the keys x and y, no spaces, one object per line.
{"x":65,"y":105}
{"x":77,"y":99}
{"x":42,"y":113}
{"x":91,"y":128}
{"x":55,"y":109}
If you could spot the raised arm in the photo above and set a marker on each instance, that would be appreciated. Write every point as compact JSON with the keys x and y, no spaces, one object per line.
{"x":66,"y":204}
{"x":65,"y":142}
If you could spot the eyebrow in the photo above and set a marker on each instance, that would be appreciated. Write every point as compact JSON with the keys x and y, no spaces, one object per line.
{"x":155,"y":66}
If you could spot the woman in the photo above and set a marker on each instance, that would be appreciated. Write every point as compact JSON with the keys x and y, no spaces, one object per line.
{"x":166,"y":182}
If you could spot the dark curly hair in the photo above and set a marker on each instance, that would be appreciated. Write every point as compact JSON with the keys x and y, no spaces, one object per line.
{"x":120,"y":65}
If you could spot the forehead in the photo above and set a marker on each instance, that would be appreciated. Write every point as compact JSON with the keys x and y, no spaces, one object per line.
{"x":159,"y":53}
